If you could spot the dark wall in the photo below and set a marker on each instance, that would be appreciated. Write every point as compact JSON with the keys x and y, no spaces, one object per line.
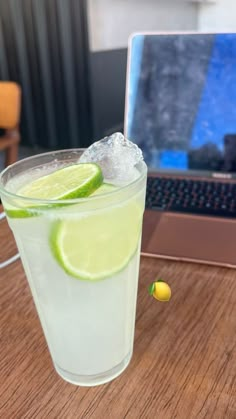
{"x":108,"y":75}
{"x":44,"y":47}
{"x":70,"y":96}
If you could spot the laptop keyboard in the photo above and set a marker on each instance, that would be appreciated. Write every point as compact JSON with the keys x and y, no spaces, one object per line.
{"x":191,"y":196}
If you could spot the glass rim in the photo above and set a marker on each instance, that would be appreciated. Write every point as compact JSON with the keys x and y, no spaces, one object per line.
{"x":38,"y":201}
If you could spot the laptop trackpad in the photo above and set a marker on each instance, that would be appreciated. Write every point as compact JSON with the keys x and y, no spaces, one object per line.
{"x":190,"y":237}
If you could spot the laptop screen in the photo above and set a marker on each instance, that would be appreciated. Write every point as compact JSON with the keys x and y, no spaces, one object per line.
{"x":181,"y":101}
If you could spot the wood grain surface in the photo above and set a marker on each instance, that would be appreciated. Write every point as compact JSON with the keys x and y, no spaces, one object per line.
{"x":184,"y":362}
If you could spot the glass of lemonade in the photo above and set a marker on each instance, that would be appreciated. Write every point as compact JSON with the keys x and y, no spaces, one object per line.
{"x":81,"y":258}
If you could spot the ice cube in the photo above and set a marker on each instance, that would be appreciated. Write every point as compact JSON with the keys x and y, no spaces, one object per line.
{"x":117,"y":157}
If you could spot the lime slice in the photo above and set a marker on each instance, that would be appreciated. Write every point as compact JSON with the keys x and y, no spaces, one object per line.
{"x":98,"y":246}
{"x":21,"y":213}
{"x":104,"y":188}
{"x":75,"y":181}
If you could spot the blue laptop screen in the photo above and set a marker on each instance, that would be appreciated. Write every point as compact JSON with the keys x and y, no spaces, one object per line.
{"x":182,"y":101}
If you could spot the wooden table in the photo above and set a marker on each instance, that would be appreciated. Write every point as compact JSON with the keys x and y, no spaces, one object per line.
{"x":184,"y":362}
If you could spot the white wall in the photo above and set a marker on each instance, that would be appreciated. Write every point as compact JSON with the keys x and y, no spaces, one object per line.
{"x":218,"y":16}
{"x":112,"y":21}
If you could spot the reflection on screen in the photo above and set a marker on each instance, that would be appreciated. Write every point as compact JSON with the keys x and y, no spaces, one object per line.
{"x":182,"y":101}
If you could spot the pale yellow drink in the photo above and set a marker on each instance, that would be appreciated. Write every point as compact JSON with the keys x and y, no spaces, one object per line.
{"x":88,"y":324}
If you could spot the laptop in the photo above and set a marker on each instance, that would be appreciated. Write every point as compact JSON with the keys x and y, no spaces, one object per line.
{"x":181,"y":111}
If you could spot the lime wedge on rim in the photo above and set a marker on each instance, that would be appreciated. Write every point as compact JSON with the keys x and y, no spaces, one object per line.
{"x":99,"y":245}
{"x":75,"y":181}
{"x":70,"y":182}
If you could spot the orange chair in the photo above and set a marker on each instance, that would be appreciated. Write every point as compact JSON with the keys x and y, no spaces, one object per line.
{"x":10,"y":107}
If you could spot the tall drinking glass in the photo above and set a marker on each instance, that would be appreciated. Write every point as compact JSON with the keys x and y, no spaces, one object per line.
{"x":88,"y":324}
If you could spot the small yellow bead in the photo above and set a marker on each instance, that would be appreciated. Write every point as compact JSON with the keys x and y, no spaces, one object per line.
{"x":162,"y":291}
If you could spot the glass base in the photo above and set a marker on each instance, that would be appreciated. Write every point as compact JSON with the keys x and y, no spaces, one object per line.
{"x":97,"y":379}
